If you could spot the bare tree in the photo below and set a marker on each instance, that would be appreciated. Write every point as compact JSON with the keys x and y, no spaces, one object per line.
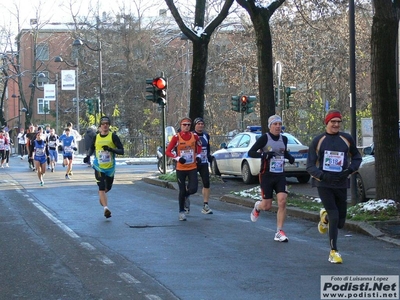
{"x":385,"y":103}
{"x":260,"y":16}
{"x":200,"y":37}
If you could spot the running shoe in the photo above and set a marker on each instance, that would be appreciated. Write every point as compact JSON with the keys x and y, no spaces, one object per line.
{"x":335,"y":257}
{"x":7,"y":166}
{"x":52,"y":170}
{"x":182,"y":216}
{"x":70,"y":173}
{"x":67,"y":177}
{"x":41,"y":183}
{"x":280,"y":236}
{"x":322,"y":226}
{"x":206,"y":210}
{"x":107,"y":213}
{"x":255,"y":213}
{"x":187,"y":205}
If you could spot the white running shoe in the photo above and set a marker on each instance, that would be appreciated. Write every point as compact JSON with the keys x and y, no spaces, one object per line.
{"x":182,"y":216}
{"x":255,"y":213}
{"x":280,"y":236}
{"x":206,"y":210}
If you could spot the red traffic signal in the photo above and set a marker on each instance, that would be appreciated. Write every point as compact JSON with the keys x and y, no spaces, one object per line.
{"x":243,"y":102}
{"x":160,"y":83}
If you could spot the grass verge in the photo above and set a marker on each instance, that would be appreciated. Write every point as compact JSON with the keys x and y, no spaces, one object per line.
{"x":371,"y":211}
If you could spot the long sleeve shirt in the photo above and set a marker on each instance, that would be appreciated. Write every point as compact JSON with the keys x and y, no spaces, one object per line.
{"x":332,"y":153}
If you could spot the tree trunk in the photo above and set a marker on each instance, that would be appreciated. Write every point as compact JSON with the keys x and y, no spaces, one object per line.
{"x":385,"y":100}
{"x":265,"y":69}
{"x":260,"y":17}
{"x":198,"y":78}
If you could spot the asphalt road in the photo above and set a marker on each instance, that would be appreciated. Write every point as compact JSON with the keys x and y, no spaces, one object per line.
{"x":56,"y":244}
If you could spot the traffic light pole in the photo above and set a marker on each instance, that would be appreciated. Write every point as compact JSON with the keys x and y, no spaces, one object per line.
{"x":164,"y":142}
{"x":164,"y":122}
{"x":242,"y":120}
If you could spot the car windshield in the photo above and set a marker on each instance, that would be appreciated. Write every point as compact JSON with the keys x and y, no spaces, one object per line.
{"x":233,"y":143}
{"x":292,"y":140}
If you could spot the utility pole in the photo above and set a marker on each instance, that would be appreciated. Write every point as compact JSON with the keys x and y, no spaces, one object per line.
{"x":353,"y":116}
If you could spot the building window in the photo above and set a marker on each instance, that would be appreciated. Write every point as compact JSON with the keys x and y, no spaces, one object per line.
{"x":43,"y":106}
{"x":42,"y":52}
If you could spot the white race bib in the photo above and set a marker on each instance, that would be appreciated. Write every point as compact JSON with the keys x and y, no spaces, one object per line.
{"x":333,"y":161}
{"x":276,"y":164}
{"x":188,"y":155}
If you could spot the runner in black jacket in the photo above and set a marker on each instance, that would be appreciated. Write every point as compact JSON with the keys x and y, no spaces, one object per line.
{"x":332,"y":157}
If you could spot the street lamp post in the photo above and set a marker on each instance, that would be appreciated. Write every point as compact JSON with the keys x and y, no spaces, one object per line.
{"x":78,"y":43}
{"x":57,"y":116}
{"x":76,"y":66}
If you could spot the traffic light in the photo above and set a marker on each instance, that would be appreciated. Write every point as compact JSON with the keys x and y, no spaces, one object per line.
{"x":97,"y":105}
{"x":243,"y":103}
{"x":157,"y":91}
{"x":235,"y":103}
{"x":289,"y":91}
{"x":250,"y":104}
{"x":151,"y":90}
{"x":90,"y":106}
{"x":160,"y":85}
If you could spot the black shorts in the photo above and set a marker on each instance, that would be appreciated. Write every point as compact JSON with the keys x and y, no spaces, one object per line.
{"x":270,"y":183}
{"x":104,"y":182}
{"x":204,"y":174}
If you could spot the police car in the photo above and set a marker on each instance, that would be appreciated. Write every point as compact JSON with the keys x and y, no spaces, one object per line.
{"x":232,"y":158}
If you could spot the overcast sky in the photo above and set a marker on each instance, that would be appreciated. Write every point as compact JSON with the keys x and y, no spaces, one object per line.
{"x":59,"y":10}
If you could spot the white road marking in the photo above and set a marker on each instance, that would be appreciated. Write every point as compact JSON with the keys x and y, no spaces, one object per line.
{"x":104,"y":259}
{"x":128,"y":278}
{"x":63,"y":227}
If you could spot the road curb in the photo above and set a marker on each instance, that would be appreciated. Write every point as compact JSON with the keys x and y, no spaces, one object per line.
{"x":354,"y":226}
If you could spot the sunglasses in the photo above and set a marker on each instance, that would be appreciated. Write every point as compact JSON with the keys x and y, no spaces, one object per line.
{"x":186,"y":124}
{"x":335,"y":122}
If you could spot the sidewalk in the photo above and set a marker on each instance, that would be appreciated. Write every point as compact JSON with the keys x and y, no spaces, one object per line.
{"x":359,"y":227}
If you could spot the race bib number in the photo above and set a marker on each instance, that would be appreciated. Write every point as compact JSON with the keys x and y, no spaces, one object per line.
{"x":68,"y":149}
{"x":188,"y":155}
{"x":276,"y":164}
{"x":104,"y":156}
{"x":39,"y":152}
{"x":203,"y":156}
{"x":333,"y":161}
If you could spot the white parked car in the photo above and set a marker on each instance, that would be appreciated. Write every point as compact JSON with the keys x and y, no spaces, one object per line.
{"x":232,"y":159}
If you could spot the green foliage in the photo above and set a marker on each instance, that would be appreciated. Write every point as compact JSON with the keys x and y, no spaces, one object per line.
{"x":116,"y":112}
{"x":171,"y":176}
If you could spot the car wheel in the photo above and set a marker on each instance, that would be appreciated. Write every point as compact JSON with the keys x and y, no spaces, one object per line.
{"x":246,"y":174}
{"x":214,"y":167}
{"x":360,"y":189}
{"x":303,"y":178}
